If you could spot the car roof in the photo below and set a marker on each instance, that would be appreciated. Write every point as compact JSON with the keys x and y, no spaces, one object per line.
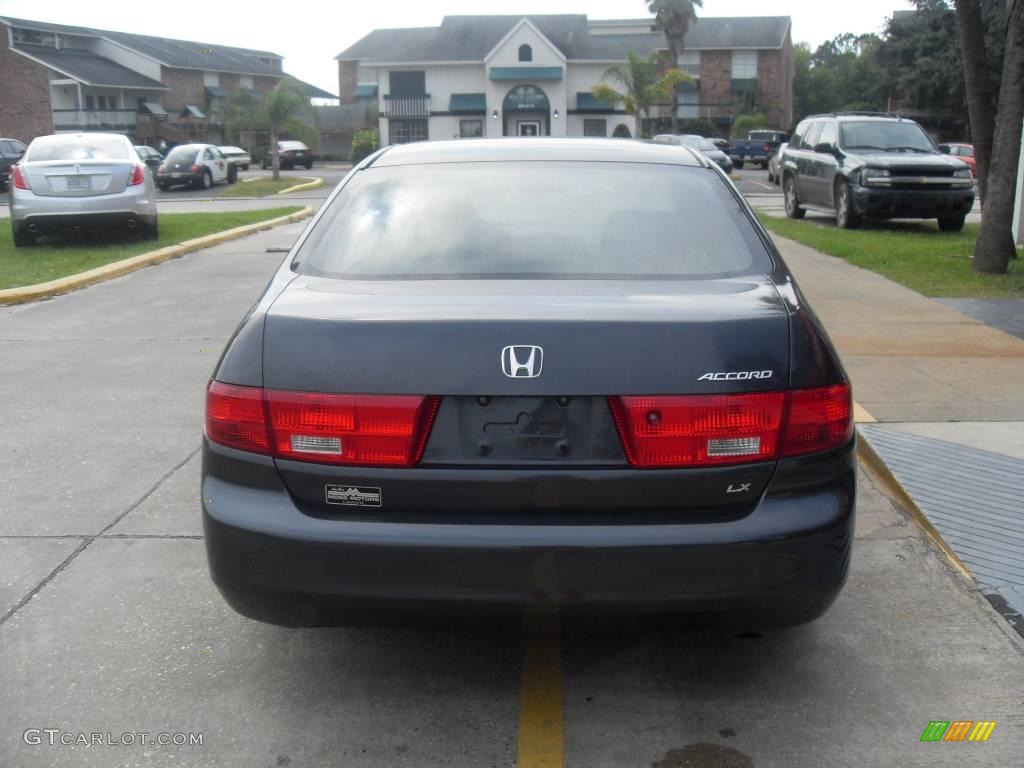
{"x":89,"y":135}
{"x":539,"y":149}
{"x":859,"y":117}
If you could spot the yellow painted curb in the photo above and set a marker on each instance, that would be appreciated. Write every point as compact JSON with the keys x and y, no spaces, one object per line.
{"x":117,"y":268}
{"x":874,"y":462}
{"x":299,"y":187}
{"x":861,"y":415}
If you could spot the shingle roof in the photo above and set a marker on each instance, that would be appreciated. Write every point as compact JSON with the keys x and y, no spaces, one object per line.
{"x":471,"y":38}
{"x":341,"y":118}
{"x":313,"y":91}
{"x":184,"y":54}
{"x":89,"y":68}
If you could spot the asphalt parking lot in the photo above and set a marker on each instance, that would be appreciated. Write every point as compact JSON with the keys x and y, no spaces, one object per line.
{"x":109,"y":624}
{"x":331,"y":173}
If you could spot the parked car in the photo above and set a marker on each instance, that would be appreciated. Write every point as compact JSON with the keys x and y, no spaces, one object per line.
{"x":774,"y":163}
{"x":149,"y":156}
{"x":85,"y":181}
{"x":961,"y":151}
{"x":758,"y":147}
{"x":195,"y":165}
{"x":859,"y":165}
{"x":291,"y":154}
{"x":699,"y":143}
{"x":11,"y":151}
{"x":639,"y":405}
{"x":722,"y":144}
{"x":237,"y":156}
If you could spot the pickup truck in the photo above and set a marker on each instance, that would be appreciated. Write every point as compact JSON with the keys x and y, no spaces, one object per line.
{"x":758,"y":147}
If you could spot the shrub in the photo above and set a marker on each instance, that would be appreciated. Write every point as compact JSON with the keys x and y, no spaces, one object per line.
{"x":364,"y":144}
{"x":745,"y":124}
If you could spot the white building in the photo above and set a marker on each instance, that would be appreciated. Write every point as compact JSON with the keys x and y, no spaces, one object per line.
{"x":533,"y":75}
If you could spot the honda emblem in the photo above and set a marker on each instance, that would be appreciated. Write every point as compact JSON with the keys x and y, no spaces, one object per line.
{"x":522,"y":361}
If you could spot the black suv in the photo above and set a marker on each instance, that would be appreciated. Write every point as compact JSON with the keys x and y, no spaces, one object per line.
{"x":11,"y":151}
{"x":871,"y":165}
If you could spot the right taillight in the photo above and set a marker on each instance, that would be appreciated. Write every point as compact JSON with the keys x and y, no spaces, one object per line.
{"x":817,"y":419}
{"x":713,"y":430}
{"x":18,"y":177}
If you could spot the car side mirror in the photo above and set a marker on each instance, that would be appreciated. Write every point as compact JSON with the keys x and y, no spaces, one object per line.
{"x":825,"y":149}
{"x":945,"y":150}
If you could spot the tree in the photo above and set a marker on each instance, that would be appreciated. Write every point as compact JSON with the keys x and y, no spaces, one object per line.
{"x":641,"y":85}
{"x":844,"y":73}
{"x":978,"y":86}
{"x":282,"y":112}
{"x":674,"y":17}
{"x":995,"y":248}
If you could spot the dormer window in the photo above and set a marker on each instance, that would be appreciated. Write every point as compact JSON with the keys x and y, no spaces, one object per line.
{"x":525,"y":53}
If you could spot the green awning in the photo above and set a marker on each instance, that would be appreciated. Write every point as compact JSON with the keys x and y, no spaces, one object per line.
{"x":588,"y":102}
{"x":215,"y":93}
{"x":192,"y":110}
{"x":744,"y":85}
{"x":526,"y":73}
{"x":468,"y":103}
{"x":365,"y":89}
{"x":153,"y":108}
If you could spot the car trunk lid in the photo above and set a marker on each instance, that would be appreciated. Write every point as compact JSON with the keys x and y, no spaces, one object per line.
{"x":83,"y":178}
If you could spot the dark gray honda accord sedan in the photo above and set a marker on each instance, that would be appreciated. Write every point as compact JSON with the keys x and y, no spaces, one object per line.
{"x":498,"y":373}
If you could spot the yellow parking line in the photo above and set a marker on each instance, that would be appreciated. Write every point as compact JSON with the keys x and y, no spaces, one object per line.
{"x":541,"y":737}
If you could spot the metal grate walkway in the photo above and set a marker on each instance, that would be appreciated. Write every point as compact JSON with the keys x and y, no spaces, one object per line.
{"x":974,"y":498}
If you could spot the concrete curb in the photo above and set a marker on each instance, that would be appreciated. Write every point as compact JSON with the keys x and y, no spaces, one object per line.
{"x":117,"y":268}
{"x":870,"y":457}
{"x":317,"y":182}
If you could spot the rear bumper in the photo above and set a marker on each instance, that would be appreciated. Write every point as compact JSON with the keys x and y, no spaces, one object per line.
{"x":51,"y":213}
{"x":784,"y":563}
{"x":912,"y":203}
{"x":185,"y":178}
{"x":86,"y":222}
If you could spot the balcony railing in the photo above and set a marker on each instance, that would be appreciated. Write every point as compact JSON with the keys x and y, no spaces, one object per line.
{"x":94,"y":119}
{"x":407,"y":106}
{"x":694,"y":111}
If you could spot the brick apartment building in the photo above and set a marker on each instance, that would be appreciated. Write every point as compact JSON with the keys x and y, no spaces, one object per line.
{"x":59,"y":78}
{"x":534,"y":75}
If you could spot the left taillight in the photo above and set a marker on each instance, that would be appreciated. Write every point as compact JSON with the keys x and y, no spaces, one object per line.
{"x":18,"y":177}
{"x":138,"y":176}
{"x":358,"y":430}
{"x":711,"y":430}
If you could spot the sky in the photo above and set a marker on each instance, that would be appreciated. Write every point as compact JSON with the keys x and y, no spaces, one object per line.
{"x":322,"y":29}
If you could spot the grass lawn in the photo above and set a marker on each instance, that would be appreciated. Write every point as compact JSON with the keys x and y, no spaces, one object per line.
{"x":263,"y":187}
{"x":916,"y":255}
{"x":66,"y":255}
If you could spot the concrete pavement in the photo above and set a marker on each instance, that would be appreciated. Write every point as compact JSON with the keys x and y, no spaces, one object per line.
{"x":111,"y":624}
{"x":946,"y":389}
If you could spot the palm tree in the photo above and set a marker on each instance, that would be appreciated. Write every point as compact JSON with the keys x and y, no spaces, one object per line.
{"x":640,"y":85}
{"x":675,"y":17}
{"x":283,"y":111}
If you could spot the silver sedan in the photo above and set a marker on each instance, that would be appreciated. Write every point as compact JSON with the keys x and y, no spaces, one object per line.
{"x":81,"y":182}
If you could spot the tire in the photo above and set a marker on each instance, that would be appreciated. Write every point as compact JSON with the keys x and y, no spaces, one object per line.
{"x":232,"y":174}
{"x":846,"y":215}
{"x":207,"y":181}
{"x":771,"y":178}
{"x":309,"y":165}
{"x":793,"y":209}
{"x":738,"y":165}
{"x":22,"y":237}
{"x":764,"y":166}
{"x":951,"y":223}
{"x":245,"y":167}
{"x":150,"y":230}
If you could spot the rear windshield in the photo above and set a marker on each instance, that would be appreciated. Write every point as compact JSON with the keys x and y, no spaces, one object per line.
{"x":182,"y":155}
{"x":291,"y":145}
{"x":551,"y":220}
{"x":699,"y":142}
{"x":78,"y":148}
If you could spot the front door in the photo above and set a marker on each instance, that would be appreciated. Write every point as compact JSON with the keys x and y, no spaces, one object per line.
{"x":527,"y":127}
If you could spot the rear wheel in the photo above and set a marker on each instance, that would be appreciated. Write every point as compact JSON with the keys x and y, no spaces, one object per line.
{"x":793,"y":209}
{"x":764,"y":165}
{"x":207,"y":180}
{"x":771,"y":176}
{"x":245,"y":167}
{"x":846,"y":215}
{"x":739,"y":165}
{"x":951,"y":223}
{"x":309,"y":165}
{"x":22,"y":237}
{"x":232,"y":174}
{"x":150,"y":230}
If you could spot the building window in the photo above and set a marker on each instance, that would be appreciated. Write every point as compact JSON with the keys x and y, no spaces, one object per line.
{"x":470,"y":129}
{"x":594,"y":127}
{"x":525,"y":53}
{"x":34,"y":37}
{"x":245,"y":81}
{"x":407,"y":84}
{"x":406,"y":131}
{"x":744,"y":65}
{"x":689,"y":62}
{"x":90,"y":102}
{"x":689,"y":104}
{"x":211,"y":79}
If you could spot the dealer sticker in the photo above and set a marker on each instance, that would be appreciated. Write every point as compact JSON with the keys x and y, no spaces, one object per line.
{"x":353,"y":495}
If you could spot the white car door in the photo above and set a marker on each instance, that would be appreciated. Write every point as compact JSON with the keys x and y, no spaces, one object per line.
{"x":215,"y":161}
